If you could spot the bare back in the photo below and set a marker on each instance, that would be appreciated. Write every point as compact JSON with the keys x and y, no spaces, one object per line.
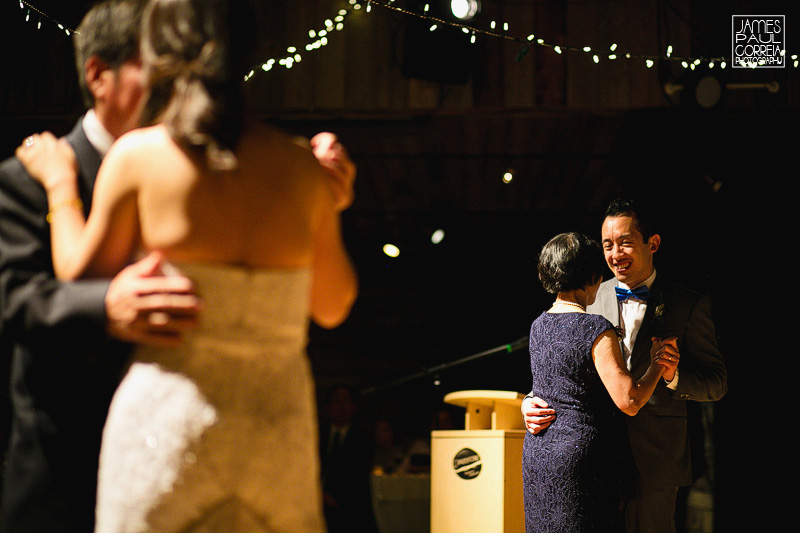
{"x":263,"y":214}
{"x":276,"y":210}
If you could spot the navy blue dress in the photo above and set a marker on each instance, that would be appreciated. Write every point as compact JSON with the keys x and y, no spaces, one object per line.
{"x":574,"y":472}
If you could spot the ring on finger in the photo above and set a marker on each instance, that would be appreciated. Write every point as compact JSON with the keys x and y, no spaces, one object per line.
{"x":158,"y":318}
{"x":29,"y":141}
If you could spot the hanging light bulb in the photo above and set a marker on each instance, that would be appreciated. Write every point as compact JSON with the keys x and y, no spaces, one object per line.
{"x":465,"y":9}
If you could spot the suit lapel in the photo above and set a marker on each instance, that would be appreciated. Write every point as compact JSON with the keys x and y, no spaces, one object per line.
{"x":609,"y":307}
{"x":89,"y":161}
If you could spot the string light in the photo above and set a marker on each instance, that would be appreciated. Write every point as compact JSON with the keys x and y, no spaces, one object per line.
{"x":391,"y":250}
{"x":23,"y":4}
{"x":648,"y":59}
{"x":319,"y":39}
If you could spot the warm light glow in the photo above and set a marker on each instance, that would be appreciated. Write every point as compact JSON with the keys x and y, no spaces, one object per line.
{"x":437,"y":236}
{"x":464,"y":9}
{"x":391,"y":250}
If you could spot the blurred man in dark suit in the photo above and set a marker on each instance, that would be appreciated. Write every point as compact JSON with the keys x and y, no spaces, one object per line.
{"x":346,"y":452}
{"x":69,"y":340}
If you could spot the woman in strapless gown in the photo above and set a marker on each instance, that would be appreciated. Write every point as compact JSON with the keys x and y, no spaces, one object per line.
{"x":222,"y":430}
{"x":218,"y":433}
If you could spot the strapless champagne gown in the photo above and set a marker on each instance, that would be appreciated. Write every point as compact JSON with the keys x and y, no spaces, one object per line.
{"x":220,"y":434}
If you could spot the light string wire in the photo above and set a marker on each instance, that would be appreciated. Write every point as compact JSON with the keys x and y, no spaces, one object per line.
{"x":23,"y":4}
{"x":319,"y":39}
{"x":611,"y":54}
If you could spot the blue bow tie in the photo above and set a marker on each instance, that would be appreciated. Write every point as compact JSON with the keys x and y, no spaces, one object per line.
{"x":640,"y":293}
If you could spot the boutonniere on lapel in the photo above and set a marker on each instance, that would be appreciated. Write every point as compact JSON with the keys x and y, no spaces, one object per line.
{"x":657,"y":300}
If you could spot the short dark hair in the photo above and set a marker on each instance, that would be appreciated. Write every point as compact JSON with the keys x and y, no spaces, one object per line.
{"x":570,"y":261}
{"x":623,"y":207}
{"x":336,"y":387}
{"x":110,"y":31}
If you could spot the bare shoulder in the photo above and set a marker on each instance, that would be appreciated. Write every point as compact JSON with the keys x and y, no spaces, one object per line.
{"x":273,"y":155}
{"x":144,"y":136}
{"x":141,"y":141}
{"x":263,"y":139}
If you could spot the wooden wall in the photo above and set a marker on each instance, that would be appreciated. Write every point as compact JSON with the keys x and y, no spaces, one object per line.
{"x":361,"y":68}
{"x":360,"y":72}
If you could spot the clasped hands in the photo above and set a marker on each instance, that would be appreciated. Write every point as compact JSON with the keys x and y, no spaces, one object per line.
{"x":337,"y":164}
{"x":664,"y":352}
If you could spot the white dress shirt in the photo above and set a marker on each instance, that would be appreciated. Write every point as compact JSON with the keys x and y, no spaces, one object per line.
{"x":98,"y":135}
{"x":631,"y":313}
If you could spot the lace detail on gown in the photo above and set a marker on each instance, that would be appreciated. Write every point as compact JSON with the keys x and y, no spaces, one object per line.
{"x":573,"y":471}
{"x":220,"y":434}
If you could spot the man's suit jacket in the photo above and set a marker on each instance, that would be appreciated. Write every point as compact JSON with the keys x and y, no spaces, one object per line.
{"x":64,"y":369}
{"x":345,"y":477}
{"x":659,"y":433}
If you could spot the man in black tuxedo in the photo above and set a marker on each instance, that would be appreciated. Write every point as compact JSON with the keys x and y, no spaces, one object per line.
{"x":69,"y":341}
{"x":644,"y":305}
{"x":346,"y":453}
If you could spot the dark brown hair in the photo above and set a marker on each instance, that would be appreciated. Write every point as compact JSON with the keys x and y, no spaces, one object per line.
{"x":569,"y":262}
{"x":196,"y":53}
{"x":110,"y":31}
{"x":623,"y":207}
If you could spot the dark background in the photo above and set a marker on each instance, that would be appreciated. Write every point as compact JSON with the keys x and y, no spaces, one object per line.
{"x":431,"y":153}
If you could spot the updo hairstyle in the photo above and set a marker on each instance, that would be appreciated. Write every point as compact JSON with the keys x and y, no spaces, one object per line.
{"x":196,"y":53}
{"x":569,"y":262}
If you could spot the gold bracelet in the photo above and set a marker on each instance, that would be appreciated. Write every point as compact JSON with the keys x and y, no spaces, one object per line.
{"x":72,"y":202}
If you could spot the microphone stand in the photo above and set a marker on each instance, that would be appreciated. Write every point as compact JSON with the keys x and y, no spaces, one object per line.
{"x":425,"y":372}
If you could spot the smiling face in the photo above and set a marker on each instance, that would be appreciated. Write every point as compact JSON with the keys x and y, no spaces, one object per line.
{"x":627,"y":254}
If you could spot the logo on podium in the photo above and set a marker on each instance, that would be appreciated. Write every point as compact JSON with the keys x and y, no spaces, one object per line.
{"x":467,"y":464}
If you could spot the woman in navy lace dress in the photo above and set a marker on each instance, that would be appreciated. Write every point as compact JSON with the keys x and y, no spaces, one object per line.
{"x":574,"y":472}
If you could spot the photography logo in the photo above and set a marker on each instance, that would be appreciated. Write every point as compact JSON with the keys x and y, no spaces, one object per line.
{"x":759,"y":41}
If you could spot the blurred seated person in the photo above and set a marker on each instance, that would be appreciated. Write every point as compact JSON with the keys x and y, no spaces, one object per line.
{"x":389,"y":454}
{"x":418,"y":454}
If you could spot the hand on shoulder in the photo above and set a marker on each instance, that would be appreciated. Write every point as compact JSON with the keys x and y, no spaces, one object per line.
{"x":49,"y":160}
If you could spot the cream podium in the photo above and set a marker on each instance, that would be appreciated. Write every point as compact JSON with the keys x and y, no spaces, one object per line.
{"x":476,"y":473}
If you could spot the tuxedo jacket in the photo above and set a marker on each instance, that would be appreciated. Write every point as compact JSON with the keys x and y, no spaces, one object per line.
{"x":63,"y":368}
{"x":659,"y":433}
{"x":345,"y":477}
